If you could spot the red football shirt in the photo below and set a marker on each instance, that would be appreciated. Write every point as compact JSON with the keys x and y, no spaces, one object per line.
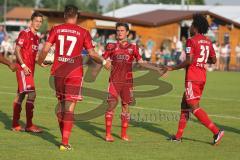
{"x":122,"y":57}
{"x":69,"y":40}
{"x":201,"y":48}
{"x":29,"y":42}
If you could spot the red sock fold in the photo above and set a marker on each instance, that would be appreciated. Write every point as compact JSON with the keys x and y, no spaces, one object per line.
{"x":17,"y":108}
{"x":184,"y":116}
{"x":205,"y":120}
{"x":125,"y":117}
{"x":108,"y":122}
{"x":29,"y":113}
{"x":67,"y":125}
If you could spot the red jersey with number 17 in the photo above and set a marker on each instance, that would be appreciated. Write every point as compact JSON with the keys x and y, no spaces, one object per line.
{"x":201,"y":48}
{"x":69,"y":39}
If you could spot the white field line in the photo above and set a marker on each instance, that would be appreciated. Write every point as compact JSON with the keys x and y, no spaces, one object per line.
{"x":172,"y":96}
{"x":135,"y":107}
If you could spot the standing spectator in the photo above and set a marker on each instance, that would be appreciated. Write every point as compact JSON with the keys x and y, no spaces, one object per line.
{"x":2,"y":34}
{"x":6,"y":46}
{"x":228,"y":56}
{"x":237,"y":50}
{"x":223,"y":54}
{"x":179,"y":49}
{"x":217,"y":51}
{"x":148,"y":52}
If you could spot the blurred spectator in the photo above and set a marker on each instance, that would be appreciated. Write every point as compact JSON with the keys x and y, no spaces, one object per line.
{"x":223,"y":57}
{"x":179,"y":49}
{"x":97,"y":38}
{"x":2,"y":34}
{"x":7,"y":47}
{"x":159,"y":57}
{"x":217,"y":51}
{"x":111,"y":38}
{"x":228,"y":56}
{"x":148,"y":52}
{"x":237,"y":50}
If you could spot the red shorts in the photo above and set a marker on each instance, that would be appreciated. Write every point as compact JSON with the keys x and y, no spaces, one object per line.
{"x":125,"y":91}
{"x":68,"y":89}
{"x":25,"y":83}
{"x":193,"y":91}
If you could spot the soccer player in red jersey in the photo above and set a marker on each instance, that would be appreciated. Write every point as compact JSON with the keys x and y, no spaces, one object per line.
{"x":122,"y":54}
{"x":67,"y":69}
{"x":11,"y":66}
{"x":199,"y":52}
{"x":26,"y":51}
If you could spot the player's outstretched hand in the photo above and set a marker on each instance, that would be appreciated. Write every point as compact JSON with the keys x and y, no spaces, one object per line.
{"x":162,"y":70}
{"x":27,"y":71}
{"x":108,"y":65}
{"x":13,"y":67}
{"x":169,"y":68}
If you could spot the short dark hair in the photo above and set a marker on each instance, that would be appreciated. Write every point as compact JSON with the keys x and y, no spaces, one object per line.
{"x":36,"y":14}
{"x":118,"y":24}
{"x":70,"y":11}
{"x":200,"y":23}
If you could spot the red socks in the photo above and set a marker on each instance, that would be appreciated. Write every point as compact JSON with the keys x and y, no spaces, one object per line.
{"x":16,"y":114}
{"x":204,"y":119}
{"x":67,"y":125}
{"x":182,"y":122}
{"x":29,"y":113}
{"x":108,"y":122}
{"x":125,"y":117}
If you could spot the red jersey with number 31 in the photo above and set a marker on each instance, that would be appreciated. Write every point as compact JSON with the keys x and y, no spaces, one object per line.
{"x":70,"y":40}
{"x":201,"y":48}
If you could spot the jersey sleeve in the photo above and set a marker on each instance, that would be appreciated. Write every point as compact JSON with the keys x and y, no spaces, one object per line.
{"x":190,"y":47}
{"x":52,"y":36}
{"x":136,"y":53}
{"x":87,"y":42}
{"x":108,"y":50}
{"x":22,"y":39}
{"x":211,"y":51}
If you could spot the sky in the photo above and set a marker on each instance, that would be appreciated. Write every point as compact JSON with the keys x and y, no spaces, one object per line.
{"x":208,"y":2}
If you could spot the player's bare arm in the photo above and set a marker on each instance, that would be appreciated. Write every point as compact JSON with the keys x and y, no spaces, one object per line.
{"x":98,"y":59}
{"x":144,"y":64}
{"x":8,"y":63}
{"x":184,"y":64}
{"x":44,"y":53}
{"x":27,"y":71}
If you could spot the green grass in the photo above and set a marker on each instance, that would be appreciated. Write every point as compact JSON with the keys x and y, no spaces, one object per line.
{"x":220,"y":100}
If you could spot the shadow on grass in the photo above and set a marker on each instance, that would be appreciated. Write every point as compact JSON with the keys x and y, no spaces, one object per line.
{"x":152,"y":127}
{"x":7,"y":121}
{"x":224,"y":127}
{"x":93,"y":129}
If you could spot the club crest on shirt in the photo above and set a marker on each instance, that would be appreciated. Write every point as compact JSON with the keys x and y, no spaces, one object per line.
{"x":130,"y":50}
{"x":21,"y":41}
{"x":188,"y":49}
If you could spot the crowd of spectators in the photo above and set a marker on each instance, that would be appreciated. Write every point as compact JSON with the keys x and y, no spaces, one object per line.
{"x":171,"y":52}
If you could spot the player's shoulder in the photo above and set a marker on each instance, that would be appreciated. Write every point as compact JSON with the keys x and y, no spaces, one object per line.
{"x":111,"y":45}
{"x":25,"y":31}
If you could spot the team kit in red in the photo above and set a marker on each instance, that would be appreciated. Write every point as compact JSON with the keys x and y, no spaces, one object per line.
{"x":67,"y":69}
{"x":29,"y":42}
{"x":66,"y":37}
{"x":122,"y":57}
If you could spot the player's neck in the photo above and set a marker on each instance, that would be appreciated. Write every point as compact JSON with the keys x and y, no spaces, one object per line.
{"x":33,"y":30}
{"x":123,"y":41}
